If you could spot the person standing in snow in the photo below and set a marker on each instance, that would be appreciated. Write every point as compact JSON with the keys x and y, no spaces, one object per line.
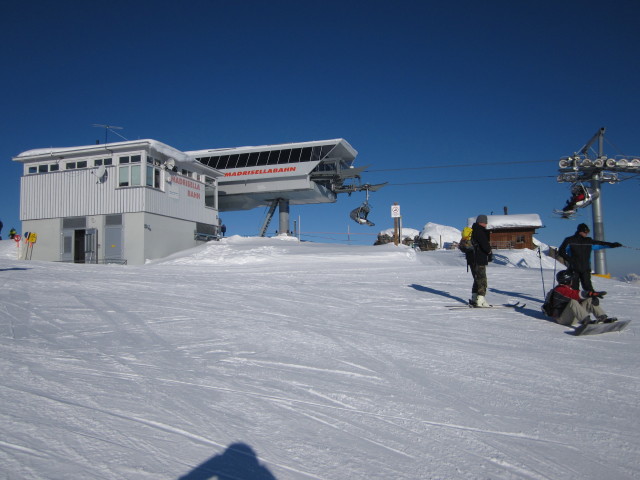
{"x":576,"y":252}
{"x":568,"y":306}
{"x":479,"y":260}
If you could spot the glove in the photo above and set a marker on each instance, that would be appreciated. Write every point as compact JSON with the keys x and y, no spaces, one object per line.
{"x":490,"y":257}
{"x":595,"y":297}
{"x":616,"y":245}
{"x":593,"y":294}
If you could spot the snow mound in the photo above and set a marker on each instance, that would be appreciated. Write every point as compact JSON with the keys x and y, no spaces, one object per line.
{"x":441,"y":234}
{"x":632,"y":278}
{"x":406,"y":233}
{"x":238,"y":250}
{"x":8,"y":249}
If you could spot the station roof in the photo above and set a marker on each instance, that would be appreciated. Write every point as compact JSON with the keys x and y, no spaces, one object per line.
{"x":342,"y":146}
{"x":42,"y":154}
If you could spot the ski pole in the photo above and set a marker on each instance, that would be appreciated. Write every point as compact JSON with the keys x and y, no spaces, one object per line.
{"x":544,"y":292}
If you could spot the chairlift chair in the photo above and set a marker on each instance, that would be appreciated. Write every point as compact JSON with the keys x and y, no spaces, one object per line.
{"x":359,"y":215}
{"x":589,"y":194}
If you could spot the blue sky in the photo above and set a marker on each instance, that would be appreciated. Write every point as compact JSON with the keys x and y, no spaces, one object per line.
{"x":409,"y":84}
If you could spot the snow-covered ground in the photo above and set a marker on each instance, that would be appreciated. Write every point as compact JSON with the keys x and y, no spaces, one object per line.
{"x":257,"y":358}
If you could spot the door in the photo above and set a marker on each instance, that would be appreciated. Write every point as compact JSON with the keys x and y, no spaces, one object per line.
{"x":91,"y":245}
{"x":113,"y":243}
{"x":78,"y":246}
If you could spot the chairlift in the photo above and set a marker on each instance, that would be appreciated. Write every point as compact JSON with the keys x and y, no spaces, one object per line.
{"x":581,"y":197}
{"x":579,"y":189}
{"x":359,"y":215}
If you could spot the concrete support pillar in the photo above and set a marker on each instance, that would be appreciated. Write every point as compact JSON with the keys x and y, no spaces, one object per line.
{"x":283,"y":210}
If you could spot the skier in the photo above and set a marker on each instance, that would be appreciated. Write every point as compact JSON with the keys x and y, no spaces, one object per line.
{"x":576,"y":251}
{"x":568,"y":306}
{"x":12,"y":233}
{"x":478,"y":261}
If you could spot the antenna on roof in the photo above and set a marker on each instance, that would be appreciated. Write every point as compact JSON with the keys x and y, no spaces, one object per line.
{"x":107,"y":129}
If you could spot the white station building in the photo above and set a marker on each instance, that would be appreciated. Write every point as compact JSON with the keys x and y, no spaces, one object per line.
{"x":119,"y":202}
{"x":128,"y":202}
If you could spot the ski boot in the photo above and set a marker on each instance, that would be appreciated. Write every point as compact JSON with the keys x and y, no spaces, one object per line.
{"x":473,"y":300}
{"x":481,"y":302}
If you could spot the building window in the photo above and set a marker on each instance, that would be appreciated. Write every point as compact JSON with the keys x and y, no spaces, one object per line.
{"x":243,"y":160}
{"x":153,"y":161}
{"x":54,"y":167}
{"x":102,"y":161}
{"x":74,"y":222}
{"x":43,"y":168}
{"x":113,"y":219}
{"x":129,"y":175}
{"x":70,"y":165}
{"x":519,"y":238}
{"x":129,"y":159}
{"x":284,"y":156}
{"x":33,"y":170}
{"x":153,"y":177}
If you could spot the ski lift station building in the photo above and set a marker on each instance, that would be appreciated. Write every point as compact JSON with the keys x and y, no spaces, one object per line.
{"x":132,"y":201}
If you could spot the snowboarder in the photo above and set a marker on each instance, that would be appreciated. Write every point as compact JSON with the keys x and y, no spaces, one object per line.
{"x":478,"y":261}
{"x":578,"y":194}
{"x":568,"y":306}
{"x":576,"y":252}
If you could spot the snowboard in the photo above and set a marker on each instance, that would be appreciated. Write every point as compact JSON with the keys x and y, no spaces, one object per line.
{"x":598,"y":328}
{"x":568,"y":214}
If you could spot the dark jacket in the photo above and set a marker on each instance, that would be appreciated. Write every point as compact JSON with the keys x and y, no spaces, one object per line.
{"x":558,"y":298}
{"x":480,"y":240}
{"x":576,"y":251}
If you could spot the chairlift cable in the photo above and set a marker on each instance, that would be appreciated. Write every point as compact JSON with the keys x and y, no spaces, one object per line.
{"x":458,"y":165}
{"x":473,"y":180}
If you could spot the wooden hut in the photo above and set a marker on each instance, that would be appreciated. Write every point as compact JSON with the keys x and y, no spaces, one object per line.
{"x":511,"y":231}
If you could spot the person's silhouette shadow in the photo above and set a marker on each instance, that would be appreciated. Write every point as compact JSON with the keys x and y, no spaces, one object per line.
{"x":238,"y":462}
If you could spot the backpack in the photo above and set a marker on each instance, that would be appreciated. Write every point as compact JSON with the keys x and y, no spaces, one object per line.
{"x":548,"y":307}
{"x":466,"y":245}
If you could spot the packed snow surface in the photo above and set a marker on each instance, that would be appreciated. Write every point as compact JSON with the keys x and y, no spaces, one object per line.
{"x":257,"y":358}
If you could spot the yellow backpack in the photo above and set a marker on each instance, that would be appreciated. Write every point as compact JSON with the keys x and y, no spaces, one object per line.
{"x":466,"y":245}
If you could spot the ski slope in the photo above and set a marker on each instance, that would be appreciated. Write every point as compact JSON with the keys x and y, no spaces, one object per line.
{"x":258,"y":358}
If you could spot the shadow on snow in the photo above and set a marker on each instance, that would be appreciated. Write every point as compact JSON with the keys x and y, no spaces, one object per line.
{"x":442,"y":293}
{"x":237,"y":462}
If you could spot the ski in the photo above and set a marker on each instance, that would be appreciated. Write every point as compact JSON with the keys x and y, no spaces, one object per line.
{"x":569,"y":215}
{"x":517,"y":306}
{"x":598,"y":328}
